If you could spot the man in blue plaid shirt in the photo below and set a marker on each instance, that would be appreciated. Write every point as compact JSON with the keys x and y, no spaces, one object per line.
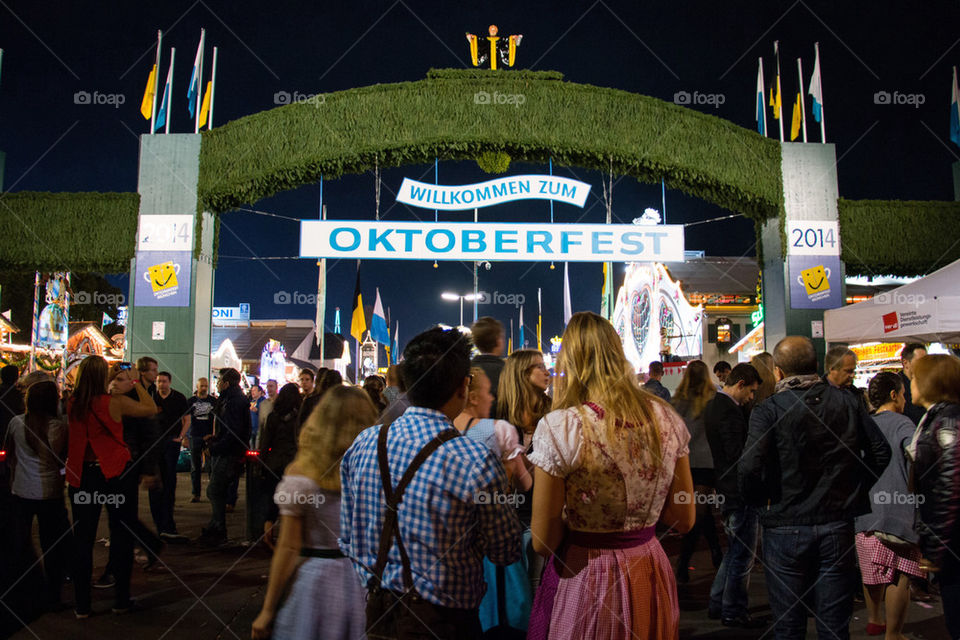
{"x":453,"y":512}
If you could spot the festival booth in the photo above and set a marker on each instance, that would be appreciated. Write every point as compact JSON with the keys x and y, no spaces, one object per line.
{"x":926,"y":310}
{"x":654,"y":319}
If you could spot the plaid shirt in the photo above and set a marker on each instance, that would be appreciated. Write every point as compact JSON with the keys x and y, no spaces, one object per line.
{"x":447,"y":522}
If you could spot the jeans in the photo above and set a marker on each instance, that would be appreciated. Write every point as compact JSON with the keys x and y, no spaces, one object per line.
{"x":196,"y":464}
{"x":223,"y":471}
{"x":117,"y":494}
{"x":163,"y":499}
{"x":949,"y":581}
{"x":56,"y":539}
{"x":728,"y":594}
{"x":809,"y":570}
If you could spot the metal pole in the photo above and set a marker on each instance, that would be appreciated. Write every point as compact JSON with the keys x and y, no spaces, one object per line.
{"x":169,"y":87}
{"x":213,"y":90}
{"x":156,"y":85}
{"x":461,"y":311}
{"x":803,"y":107}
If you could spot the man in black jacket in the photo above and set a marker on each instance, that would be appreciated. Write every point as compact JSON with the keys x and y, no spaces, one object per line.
{"x":726,"y":425}
{"x":227,"y":445}
{"x":813,"y":453}
{"x":488,"y":338}
{"x":911,"y":353}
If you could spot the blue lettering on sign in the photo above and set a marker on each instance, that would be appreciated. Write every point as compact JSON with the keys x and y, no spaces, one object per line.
{"x":656,"y":235}
{"x":473,"y":241}
{"x":566,"y":241}
{"x":567,"y":191}
{"x":483,"y":194}
{"x":418,"y":193}
{"x":499,"y":190}
{"x":501,"y":241}
{"x":597,"y":241}
{"x":464,"y":196}
{"x":408,"y":237}
{"x":524,"y":186}
{"x":380,"y":238}
{"x":632,"y":243}
{"x":334,"y":236}
{"x":544,"y":242}
{"x":451,"y":240}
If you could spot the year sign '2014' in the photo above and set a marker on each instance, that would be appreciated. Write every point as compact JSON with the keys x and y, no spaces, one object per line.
{"x":813,"y":238}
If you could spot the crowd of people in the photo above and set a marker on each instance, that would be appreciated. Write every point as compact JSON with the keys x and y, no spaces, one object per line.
{"x":478,"y":495}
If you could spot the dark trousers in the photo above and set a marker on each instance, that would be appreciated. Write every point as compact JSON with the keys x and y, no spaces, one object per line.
{"x":118,"y":495}
{"x":56,"y":540}
{"x":233,"y":490}
{"x":809,"y":569}
{"x":223,"y":471}
{"x":728,"y":593}
{"x":163,"y":499}
{"x":950,"y":594}
{"x":143,"y":537}
{"x":196,"y":464}
{"x":393,"y":616}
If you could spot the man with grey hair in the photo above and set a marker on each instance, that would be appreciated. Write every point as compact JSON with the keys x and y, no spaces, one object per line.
{"x":811,"y":456}
{"x":840,"y":363}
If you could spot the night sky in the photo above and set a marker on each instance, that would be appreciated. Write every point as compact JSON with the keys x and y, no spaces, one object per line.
{"x":884,"y":151}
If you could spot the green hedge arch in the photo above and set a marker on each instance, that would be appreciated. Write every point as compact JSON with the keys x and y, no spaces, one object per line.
{"x":88,"y":232}
{"x":898,"y":237}
{"x":458,"y":114}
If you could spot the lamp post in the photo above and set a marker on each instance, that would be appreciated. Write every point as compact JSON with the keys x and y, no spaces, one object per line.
{"x":453,"y":297}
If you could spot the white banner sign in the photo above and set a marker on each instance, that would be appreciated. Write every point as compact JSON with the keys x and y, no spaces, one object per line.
{"x":491,"y":241}
{"x":813,"y":238}
{"x":165,"y":233}
{"x":491,"y":192}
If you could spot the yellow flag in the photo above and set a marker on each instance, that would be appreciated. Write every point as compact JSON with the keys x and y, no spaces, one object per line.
{"x":795,"y":125}
{"x":146,"y":105}
{"x":775,"y":101}
{"x":205,"y":105}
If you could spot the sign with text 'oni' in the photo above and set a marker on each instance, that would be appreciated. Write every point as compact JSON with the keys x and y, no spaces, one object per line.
{"x":491,"y":241}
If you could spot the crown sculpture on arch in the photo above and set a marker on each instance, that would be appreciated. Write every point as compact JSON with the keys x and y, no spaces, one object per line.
{"x":501,"y":51}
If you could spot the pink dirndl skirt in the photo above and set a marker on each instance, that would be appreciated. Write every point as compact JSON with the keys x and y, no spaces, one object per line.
{"x":609,"y":593}
{"x":879,"y":563}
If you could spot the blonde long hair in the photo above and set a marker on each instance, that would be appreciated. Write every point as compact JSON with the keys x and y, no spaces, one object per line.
{"x":516,"y":396}
{"x":592,"y":367}
{"x":763,"y":363}
{"x":695,"y":389}
{"x":329,"y":431}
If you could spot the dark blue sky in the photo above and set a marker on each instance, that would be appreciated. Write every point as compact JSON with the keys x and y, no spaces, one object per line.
{"x":51,"y":52}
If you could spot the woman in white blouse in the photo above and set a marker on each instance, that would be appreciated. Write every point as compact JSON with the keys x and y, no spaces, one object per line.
{"x":611,"y":461}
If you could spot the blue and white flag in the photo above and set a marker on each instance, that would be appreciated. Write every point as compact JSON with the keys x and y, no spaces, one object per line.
{"x":164,"y":104}
{"x":761,"y":113}
{"x":816,"y":89}
{"x":522,"y":342}
{"x":955,"y":112}
{"x":193,"y":93}
{"x":395,"y":352}
{"x":378,"y":326}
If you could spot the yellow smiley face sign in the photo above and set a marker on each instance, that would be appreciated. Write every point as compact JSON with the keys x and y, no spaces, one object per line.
{"x":163,"y":278}
{"x":815,"y":281}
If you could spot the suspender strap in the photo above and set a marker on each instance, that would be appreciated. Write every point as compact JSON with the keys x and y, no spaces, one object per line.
{"x":393,"y":497}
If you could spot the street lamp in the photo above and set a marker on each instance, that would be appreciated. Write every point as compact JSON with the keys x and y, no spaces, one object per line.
{"x":453,"y":297}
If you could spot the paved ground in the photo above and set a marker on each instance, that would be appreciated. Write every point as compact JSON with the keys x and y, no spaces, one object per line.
{"x":206,"y":595}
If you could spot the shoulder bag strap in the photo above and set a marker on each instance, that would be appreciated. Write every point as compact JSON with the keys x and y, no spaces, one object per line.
{"x":393,"y":497}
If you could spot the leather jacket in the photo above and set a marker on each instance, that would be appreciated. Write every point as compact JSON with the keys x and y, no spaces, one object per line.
{"x":936,"y":477}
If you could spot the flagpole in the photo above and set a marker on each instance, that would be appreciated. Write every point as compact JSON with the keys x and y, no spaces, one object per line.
{"x":156,"y":81}
{"x":803,"y":108}
{"x":823,"y":128}
{"x":169,"y":87}
{"x":213,"y":89}
{"x":196,"y":121}
{"x":779,"y":105}
{"x":1,"y":59}
{"x":763,"y":101}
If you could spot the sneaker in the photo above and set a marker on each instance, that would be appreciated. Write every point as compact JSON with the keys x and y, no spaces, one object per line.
{"x":212,"y":537}
{"x":127,"y":607}
{"x":174,"y":537}
{"x":81,"y":615}
{"x":105,"y":581}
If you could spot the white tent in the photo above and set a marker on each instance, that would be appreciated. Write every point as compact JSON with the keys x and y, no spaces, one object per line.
{"x":926,"y":310}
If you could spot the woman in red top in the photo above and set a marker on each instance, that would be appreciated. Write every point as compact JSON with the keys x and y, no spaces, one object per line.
{"x":97,"y":464}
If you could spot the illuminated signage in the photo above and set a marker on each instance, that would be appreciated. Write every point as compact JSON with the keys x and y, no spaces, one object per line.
{"x":491,"y":241}
{"x":492,"y":192}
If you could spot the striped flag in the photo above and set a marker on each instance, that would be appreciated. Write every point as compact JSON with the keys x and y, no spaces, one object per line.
{"x":797,"y":119}
{"x":816,"y":90}
{"x":761,"y":107}
{"x":955,"y":112}
{"x":567,"y":307}
{"x":193,"y":93}
{"x":165,"y":102}
{"x":205,"y":105}
{"x":358,"y":323}
{"x":378,"y":324}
